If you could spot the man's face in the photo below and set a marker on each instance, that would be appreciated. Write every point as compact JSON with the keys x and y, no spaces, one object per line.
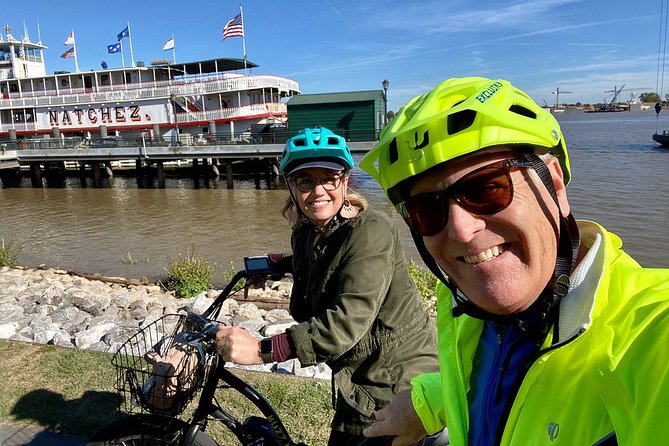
{"x":502,"y":261}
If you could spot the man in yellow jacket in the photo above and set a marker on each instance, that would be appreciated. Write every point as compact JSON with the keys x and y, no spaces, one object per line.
{"x":549,"y":333}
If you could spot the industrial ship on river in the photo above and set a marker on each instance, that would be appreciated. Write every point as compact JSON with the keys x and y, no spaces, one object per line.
{"x":191,"y":102}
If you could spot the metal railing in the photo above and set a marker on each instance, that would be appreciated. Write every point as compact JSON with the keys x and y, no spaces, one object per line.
{"x":211,"y":139}
{"x":146,"y":90}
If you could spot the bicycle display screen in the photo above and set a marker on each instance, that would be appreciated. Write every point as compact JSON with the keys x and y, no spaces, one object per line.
{"x":257,"y":265}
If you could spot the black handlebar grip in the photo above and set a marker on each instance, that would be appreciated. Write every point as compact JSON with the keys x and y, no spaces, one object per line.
{"x":209,"y":328}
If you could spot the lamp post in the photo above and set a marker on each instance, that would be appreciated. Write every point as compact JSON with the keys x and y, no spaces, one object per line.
{"x":173,"y":100}
{"x":385,"y":85}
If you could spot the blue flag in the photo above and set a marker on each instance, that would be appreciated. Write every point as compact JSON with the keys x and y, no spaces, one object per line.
{"x":115,"y":48}
{"x":104,"y":65}
{"x":124,"y":33}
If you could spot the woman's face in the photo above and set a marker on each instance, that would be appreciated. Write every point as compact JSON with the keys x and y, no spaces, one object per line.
{"x":319,"y":193}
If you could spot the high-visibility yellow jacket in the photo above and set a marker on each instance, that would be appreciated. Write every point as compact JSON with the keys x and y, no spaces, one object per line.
{"x":608,"y":372}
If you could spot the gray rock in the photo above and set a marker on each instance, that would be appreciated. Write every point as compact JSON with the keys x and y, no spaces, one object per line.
{"x":84,"y":339}
{"x":8,"y":329}
{"x":70,"y":319}
{"x":275,"y":328}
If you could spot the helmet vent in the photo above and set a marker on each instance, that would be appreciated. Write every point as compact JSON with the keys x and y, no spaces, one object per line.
{"x":332,"y":141}
{"x":299,"y":142}
{"x":460,"y":121}
{"x":519,"y":109}
{"x":392,"y":151}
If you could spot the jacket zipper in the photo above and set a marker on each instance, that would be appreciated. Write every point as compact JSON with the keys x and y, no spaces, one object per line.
{"x":519,"y":381}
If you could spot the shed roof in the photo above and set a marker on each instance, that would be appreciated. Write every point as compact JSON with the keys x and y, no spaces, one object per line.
{"x":346,"y":96}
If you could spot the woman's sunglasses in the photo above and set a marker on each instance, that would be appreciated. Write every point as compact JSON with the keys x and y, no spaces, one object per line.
{"x":307,"y":184}
{"x":484,"y":191}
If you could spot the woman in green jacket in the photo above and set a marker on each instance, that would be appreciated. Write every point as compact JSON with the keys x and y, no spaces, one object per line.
{"x":357,"y":309}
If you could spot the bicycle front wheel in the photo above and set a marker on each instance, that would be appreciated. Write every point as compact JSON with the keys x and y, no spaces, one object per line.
{"x":145,"y":430}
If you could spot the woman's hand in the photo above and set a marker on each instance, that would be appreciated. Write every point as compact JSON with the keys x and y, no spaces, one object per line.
{"x":237,"y":345}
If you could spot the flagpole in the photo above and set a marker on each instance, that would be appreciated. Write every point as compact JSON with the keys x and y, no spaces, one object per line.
{"x":241,"y":14}
{"x":174,"y":53}
{"x":74,"y":45}
{"x":132,"y":57}
{"x":39,"y":36}
{"x":120,"y":42}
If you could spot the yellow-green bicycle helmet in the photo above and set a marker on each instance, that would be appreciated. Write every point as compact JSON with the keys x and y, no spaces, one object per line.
{"x":460,"y":116}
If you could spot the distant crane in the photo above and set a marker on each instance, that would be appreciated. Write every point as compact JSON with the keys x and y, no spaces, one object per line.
{"x":557,"y":95}
{"x":557,"y":108}
{"x":616,"y":94}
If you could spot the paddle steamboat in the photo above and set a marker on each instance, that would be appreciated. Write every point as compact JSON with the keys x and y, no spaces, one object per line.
{"x":192,"y":102}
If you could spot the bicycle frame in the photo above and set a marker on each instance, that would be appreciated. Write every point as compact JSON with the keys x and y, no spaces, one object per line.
{"x":254,"y":430}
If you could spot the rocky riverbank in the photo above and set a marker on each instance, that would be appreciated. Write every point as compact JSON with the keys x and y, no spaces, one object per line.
{"x":51,"y":306}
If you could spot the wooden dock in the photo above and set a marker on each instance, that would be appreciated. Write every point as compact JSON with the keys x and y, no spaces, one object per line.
{"x":97,"y":162}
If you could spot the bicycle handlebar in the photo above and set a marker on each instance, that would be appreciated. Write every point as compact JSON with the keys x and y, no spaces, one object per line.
{"x":208,"y":328}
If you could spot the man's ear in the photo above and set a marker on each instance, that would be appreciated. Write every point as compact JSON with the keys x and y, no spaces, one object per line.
{"x":555,"y":169}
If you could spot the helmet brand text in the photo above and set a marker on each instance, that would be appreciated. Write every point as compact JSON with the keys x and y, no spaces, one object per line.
{"x":488,"y":92}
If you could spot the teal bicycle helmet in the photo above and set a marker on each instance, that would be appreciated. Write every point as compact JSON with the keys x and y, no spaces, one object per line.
{"x":315,"y":147}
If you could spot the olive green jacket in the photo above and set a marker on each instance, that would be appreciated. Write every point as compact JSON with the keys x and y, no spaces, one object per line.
{"x":360,"y":313}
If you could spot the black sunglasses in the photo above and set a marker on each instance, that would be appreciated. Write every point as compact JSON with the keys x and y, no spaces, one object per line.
{"x":484,"y":191}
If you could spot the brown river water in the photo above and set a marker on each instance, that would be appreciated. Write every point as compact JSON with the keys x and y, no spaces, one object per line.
{"x":620,"y":179}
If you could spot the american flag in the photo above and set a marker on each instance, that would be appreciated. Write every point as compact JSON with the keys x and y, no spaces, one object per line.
{"x":68,"y":54}
{"x":234,"y":28}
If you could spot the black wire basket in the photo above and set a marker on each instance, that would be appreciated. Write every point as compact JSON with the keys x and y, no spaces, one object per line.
{"x":161,"y":367}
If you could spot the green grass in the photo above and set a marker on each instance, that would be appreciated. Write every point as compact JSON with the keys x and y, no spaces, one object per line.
{"x":188,"y":276}
{"x":10,"y":253}
{"x":71,"y":390}
{"x":426,"y":283}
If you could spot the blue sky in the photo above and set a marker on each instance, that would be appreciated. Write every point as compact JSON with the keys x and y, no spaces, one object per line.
{"x":584,"y":47}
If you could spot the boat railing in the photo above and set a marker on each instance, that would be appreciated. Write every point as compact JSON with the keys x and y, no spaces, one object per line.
{"x":273,"y":136}
{"x":248,"y":111}
{"x":19,"y":126}
{"x":145,"y":90}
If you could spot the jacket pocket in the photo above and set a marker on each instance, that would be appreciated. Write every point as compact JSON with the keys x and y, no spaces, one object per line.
{"x":356,"y":396}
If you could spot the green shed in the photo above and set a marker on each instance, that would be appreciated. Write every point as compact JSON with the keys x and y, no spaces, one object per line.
{"x":356,"y":115}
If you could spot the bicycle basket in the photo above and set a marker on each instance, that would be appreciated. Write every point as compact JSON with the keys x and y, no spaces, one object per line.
{"x":159,"y":368}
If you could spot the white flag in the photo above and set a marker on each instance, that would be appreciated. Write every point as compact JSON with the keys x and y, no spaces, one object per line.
{"x":169,"y":44}
{"x":70,"y":39}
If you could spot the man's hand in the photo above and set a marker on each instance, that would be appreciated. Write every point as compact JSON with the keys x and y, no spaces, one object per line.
{"x":398,"y":419}
{"x":237,"y":345}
